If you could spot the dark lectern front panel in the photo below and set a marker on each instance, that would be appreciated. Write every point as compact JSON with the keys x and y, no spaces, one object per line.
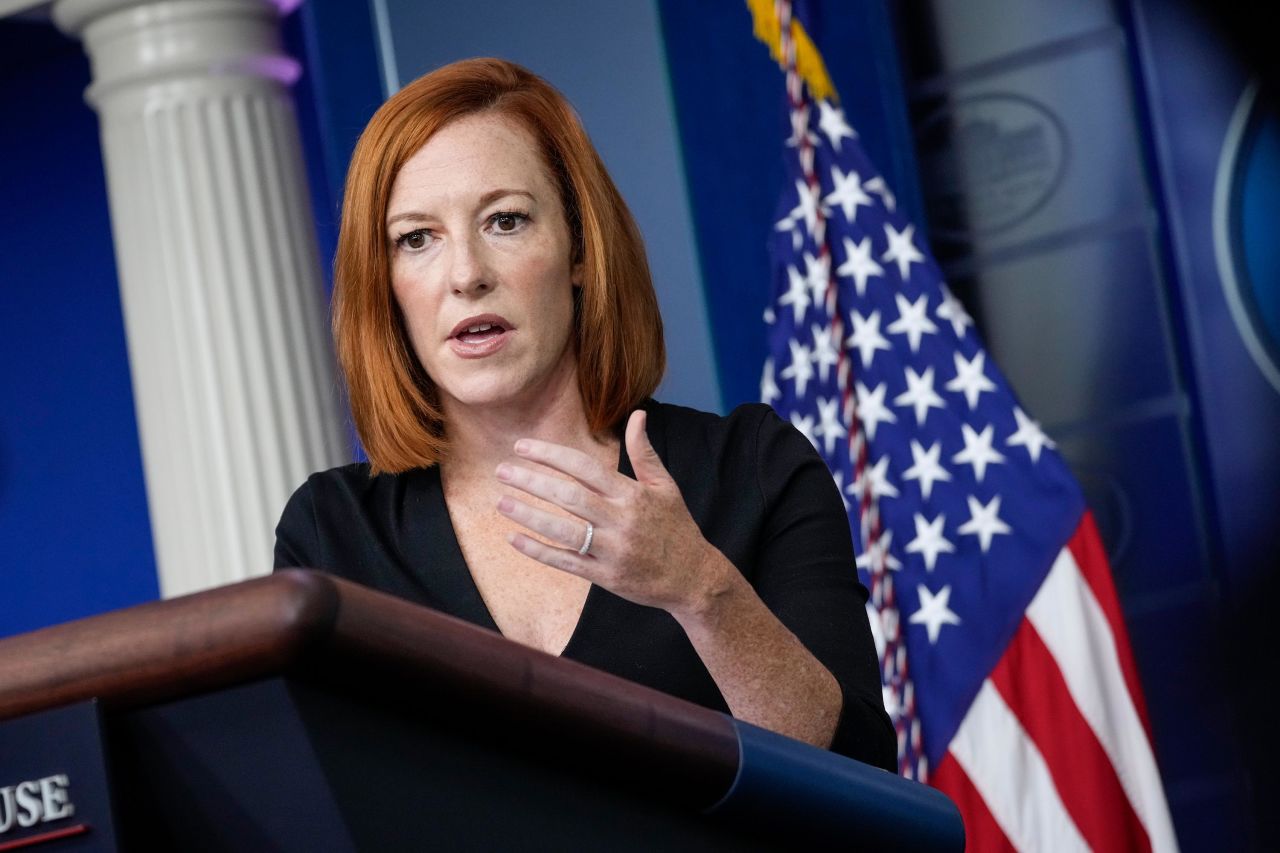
{"x":287,"y":765}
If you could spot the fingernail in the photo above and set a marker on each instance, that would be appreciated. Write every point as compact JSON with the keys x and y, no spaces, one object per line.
{"x":504,"y":471}
{"x":506,"y":504}
{"x":522,"y":446}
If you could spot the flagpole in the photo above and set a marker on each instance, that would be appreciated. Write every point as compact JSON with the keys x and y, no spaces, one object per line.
{"x":895,"y":676}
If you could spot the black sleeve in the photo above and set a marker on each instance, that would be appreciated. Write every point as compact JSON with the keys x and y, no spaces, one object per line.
{"x":807,"y":577}
{"x":297,"y":543}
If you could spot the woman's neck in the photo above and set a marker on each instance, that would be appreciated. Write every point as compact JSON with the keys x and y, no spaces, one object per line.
{"x":480,"y":437}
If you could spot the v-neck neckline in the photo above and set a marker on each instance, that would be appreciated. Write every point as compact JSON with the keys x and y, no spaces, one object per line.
{"x":454,"y":575}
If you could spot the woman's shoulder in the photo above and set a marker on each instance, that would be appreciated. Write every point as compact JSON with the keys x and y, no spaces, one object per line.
{"x":751,"y":447}
{"x":743,"y":427}
{"x":676,"y":417}
{"x":344,"y":478}
{"x":356,"y":483}
{"x":747,"y":439}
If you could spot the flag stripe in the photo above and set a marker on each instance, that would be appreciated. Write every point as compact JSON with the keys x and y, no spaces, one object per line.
{"x":1078,"y":635}
{"x":1009,"y":772}
{"x":1086,"y":548}
{"x":981,"y":832}
{"x":1030,"y":682}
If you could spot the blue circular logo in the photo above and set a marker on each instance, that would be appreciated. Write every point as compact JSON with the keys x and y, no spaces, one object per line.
{"x":1247,"y":229}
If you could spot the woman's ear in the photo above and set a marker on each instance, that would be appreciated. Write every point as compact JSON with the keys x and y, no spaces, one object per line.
{"x":575,"y":274}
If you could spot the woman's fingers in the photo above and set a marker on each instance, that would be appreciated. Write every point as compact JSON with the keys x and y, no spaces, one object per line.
{"x":575,"y":463}
{"x":566,"y":532}
{"x":566,"y":494}
{"x":645,"y":546}
{"x":556,"y":558}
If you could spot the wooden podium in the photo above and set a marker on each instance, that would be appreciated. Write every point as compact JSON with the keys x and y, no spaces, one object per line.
{"x":303,"y":712}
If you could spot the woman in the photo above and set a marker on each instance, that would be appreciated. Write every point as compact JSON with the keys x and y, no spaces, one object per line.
{"x":500,"y":338}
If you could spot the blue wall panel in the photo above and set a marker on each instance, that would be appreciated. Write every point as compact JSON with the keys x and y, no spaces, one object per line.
{"x":73,"y":512}
{"x":1218,"y":190}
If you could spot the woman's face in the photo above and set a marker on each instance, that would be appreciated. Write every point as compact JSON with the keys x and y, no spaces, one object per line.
{"x":481,"y":265}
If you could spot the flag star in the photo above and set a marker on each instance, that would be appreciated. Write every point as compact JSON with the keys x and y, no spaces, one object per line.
{"x":800,"y":370}
{"x":875,"y":477}
{"x":970,"y":379}
{"x":984,"y":522}
{"x":833,"y":124}
{"x":871,"y":408}
{"x":830,"y":429}
{"x":788,"y":224}
{"x":804,"y":423}
{"x":848,"y":193}
{"x":934,"y":611}
{"x":878,"y":186}
{"x":913,"y":320}
{"x":769,"y":316}
{"x":929,"y":541}
{"x":824,"y":350}
{"x":866,"y":337}
{"x":978,"y":451}
{"x":807,"y":208}
{"x":817,"y":273}
{"x":920,"y":394}
{"x":902,"y":249}
{"x":769,"y":390}
{"x":859,"y":264}
{"x":1029,"y":435}
{"x":925,"y":466}
{"x":797,"y":295}
{"x":953,"y":312}
{"x":876,"y":550}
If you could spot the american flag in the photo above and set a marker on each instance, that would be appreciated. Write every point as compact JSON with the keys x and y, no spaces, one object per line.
{"x":1004,"y":658}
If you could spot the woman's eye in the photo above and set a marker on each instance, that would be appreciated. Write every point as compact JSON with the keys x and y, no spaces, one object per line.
{"x":508,"y":221}
{"x":413,"y":240}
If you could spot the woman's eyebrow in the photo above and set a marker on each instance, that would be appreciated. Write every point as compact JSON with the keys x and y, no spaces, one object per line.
{"x":488,"y":197}
{"x":400,"y":217}
{"x":491,"y":195}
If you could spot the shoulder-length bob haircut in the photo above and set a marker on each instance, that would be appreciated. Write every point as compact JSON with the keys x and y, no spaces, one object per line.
{"x":617,"y":327}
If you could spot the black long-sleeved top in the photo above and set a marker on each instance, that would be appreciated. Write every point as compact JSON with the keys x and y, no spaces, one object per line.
{"x":755,"y":486}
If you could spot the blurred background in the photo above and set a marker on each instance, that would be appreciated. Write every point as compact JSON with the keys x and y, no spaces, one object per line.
{"x":1100,"y":181}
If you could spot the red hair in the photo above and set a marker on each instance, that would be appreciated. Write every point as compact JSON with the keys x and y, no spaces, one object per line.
{"x":617,"y":327}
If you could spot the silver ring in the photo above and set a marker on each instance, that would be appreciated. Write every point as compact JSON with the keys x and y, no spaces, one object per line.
{"x":586,"y":544}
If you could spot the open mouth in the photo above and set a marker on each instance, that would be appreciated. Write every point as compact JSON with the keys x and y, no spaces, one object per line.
{"x":480,"y":336}
{"x":480,"y":332}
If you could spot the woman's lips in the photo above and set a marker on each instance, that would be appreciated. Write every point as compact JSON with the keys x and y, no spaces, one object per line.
{"x":480,"y":336}
{"x":478,"y":346}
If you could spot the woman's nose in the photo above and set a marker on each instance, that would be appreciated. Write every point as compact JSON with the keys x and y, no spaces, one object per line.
{"x":468,"y":273}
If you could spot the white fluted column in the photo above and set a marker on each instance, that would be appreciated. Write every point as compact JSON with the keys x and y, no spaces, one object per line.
{"x":233,"y":377}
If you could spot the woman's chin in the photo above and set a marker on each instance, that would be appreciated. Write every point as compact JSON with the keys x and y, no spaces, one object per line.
{"x":494,"y":395}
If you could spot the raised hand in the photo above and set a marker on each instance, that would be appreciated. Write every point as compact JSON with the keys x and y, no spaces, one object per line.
{"x":644,"y":544}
